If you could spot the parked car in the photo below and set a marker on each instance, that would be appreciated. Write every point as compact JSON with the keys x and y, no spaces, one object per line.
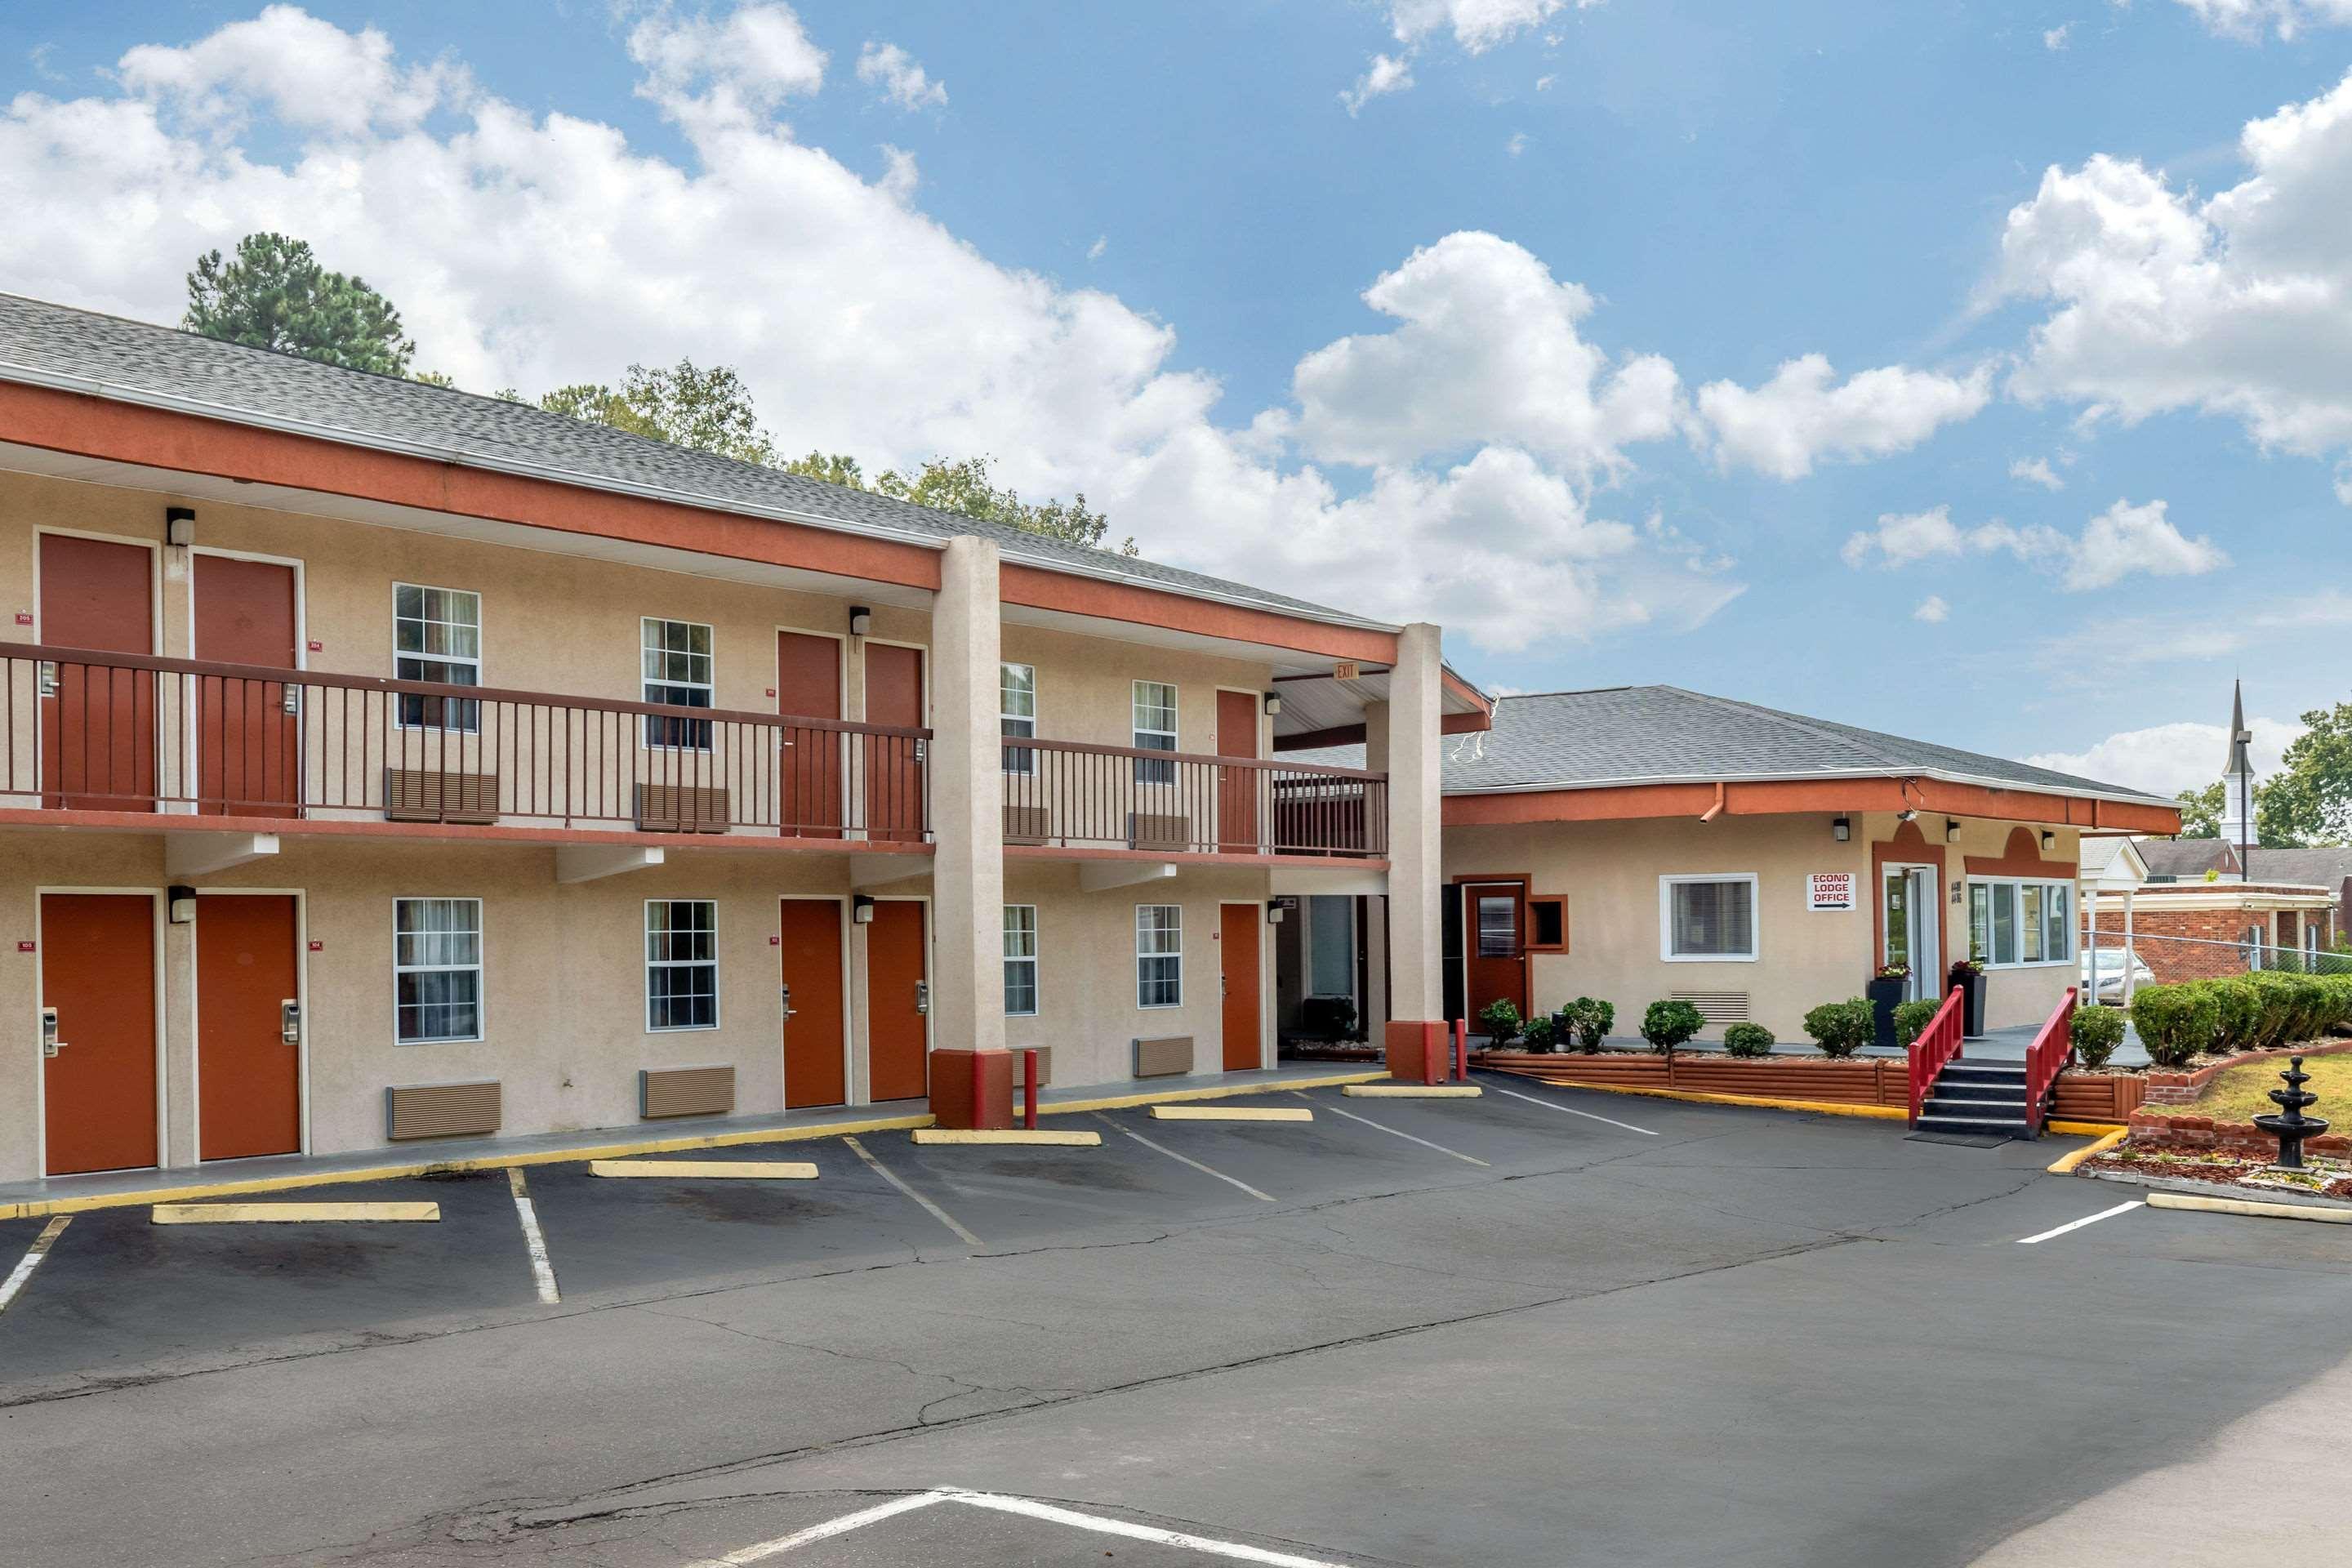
{"x":2110,"y":962}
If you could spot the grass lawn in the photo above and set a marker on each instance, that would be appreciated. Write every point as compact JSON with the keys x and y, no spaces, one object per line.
{"x":2244,"y":1092}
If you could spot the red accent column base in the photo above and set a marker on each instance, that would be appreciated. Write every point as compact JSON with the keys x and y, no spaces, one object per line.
{"x":1413,"y":1052}
{"x":972,"y":1089}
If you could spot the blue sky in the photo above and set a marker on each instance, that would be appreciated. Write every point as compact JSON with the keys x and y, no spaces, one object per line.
{"x":1127,"y":248}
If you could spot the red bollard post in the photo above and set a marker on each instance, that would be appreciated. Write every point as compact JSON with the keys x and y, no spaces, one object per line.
{"x":1461,"y":1049}
{"x":1029,"y":1090}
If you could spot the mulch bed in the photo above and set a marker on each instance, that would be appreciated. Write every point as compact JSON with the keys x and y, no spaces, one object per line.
{"x":2327,"y":1178}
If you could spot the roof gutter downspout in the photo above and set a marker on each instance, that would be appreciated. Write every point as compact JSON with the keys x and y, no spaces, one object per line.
{"x":1712,"y":811}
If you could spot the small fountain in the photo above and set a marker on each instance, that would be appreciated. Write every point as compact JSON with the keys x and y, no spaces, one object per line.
{"x":2293,"y":1127}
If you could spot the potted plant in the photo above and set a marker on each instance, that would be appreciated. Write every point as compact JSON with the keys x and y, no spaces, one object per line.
{"x":1968,"y":978}
{"x":1884,"y":990}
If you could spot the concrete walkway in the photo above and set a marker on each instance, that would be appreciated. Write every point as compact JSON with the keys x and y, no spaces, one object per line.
{"x":1995,"y":1045}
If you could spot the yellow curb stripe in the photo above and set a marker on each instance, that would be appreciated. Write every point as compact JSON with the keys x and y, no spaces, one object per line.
{"x":1824,"y":1106}
{"x":1230,"y":1113}
{"x":1218,"y":1091}
{"x":2085,"y":1129}
{"x":1072,"y":1140}
{"x":32,"y":1208}
{"x":289,"y":1214}
{"x":1412,"y":1091}
{"x":2247,"y":1206}
{"x":2064,"y":1163}
{"x":708,"y":1170}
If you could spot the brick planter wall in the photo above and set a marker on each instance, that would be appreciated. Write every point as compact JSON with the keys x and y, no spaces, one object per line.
{"x":1876,"y":1080}
{"x":2184,"y":1133}
{"x":2175,"y":1087}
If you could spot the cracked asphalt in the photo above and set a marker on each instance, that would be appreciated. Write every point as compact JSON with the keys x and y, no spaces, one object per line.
{"x":1753,"y":1337}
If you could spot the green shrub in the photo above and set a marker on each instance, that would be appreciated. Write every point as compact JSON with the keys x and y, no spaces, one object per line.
{"x":2097,"y":1031}
{"x":1842,"y":1028}
{"x":2174,"y":1022}
{"x":1502,"y":1023}
{"x":1541,"y":1033}
{"x":1669,"y":1024}
{"x":1592,"y":1019}
{"x":2239,"y":1009}
{"x":1747,"y":1040}
{"x":1910,"y":1020}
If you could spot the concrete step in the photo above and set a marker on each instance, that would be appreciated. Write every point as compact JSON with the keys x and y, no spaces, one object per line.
{"x":1982,"y":1127}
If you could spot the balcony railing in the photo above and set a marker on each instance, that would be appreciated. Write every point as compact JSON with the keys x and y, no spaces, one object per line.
{"x":89,"y":730}
{"x":1068,"y":794}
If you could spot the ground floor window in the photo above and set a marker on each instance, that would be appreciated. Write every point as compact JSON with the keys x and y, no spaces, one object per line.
{"x":1331,"y":945}
{"x":681,"y":963}
{"x":1021,"y":960}
{"x":1707,"y":918}
{"x":2012,"y":923}
{"x":1159,"y":955}
{"x":436,"y":969}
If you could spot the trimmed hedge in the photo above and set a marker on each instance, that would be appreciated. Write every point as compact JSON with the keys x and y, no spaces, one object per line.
{"x":1747,"y":1040}
{"x":1842,"y":1028}
{"x":2096,"y":1032}
{"x":1912,"y":1019}
{"x":2242,"y":1013}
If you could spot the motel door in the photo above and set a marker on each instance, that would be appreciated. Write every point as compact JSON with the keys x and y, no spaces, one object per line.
{"x":898,"y":1002}
{"x":808,"y":686}
{"x":97,"y":724}
{"x":1907,"y":913}
{"x":249,"y":731}
{"x":1243,"y":1005}
{"x":98,"y":1031}
{"x":1237,"y":788}
{"x":248,"y":1026}
{"x":1496,"y":967}
{"x":815,"y":1071}
{"x":894,"y":767}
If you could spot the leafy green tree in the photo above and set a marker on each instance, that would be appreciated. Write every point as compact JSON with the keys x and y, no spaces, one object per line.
{"x":685,"y":405}
{"x":964,"y":487}
{"x":833,"y":468}
{"x":275,"y":294}
{"x":2310,"y":799}
{"x":2275,"y":825}
{"x":2200,"y":811}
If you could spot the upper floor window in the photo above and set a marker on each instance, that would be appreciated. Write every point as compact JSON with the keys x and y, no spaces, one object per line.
{"x":437,"y":636}
{"x":1017,"y":712}
{"x":677,"y":670}
{"x":1154,"y":706}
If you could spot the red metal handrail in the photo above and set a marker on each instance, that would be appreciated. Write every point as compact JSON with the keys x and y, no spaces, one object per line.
{"x":2047,"y":1057}
{"x":1938,"y":1044}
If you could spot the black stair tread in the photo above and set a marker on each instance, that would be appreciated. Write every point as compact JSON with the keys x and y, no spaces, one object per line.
{"x":1960,"y":1100}
{"x":1987,"y":1070}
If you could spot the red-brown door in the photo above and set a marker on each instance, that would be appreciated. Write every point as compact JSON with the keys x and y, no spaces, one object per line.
{"x":897,"y":1000}
{"x":248,"y":1072}
{"x":808,"y":686}
{"x":894,"y":766}
{"x":98,"y":1066}
{"x":814,"y":1069}
{"x":1237,"y":788}
{"x":1495,"y":940}
{"x":1237,"y":950}
{"x":98,"y":726}
{"x":248,"y":744}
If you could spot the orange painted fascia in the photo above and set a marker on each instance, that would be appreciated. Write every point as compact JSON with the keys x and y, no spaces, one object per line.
{"x":162,"y":438}
{"x":1483,"y":718}
{"x":1791,"y":796}
{"x":1040,"y":589}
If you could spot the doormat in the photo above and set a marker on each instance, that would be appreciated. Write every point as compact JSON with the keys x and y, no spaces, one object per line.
{"x":1960,"y":1140}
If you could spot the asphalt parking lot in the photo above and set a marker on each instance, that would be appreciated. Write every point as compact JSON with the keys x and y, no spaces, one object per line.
{"x":1547,"y":1325}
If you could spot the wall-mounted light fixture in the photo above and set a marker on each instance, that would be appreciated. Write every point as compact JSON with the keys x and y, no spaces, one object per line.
{"x":1275,"y":911}
{"x":2049,"y":839}
{"x":179,"y":525}
{"x":1907,"y":814}
{"x":1951,"y":830}
{"x":181,"y":903}
{"x":861,"y":620}
{"x":1273,"y":704}
{"x":1840,"y":828}
{"x":861,"y":910}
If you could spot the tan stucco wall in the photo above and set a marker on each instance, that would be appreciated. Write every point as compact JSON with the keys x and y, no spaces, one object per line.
{"x":1085,"y":687}
{"x":1609,"y":871}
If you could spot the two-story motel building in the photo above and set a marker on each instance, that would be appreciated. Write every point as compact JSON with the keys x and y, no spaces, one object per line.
{"x":384,"y":761}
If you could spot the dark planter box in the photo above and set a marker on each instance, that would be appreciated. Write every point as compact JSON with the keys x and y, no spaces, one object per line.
{"x":1971,"y":987}
{"x":1884,"y":995}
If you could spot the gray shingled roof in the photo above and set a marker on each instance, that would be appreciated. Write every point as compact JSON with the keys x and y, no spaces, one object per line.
{"x":1649,"y":734}
{"x":110,"y":356}
{"x":2188,"y":858}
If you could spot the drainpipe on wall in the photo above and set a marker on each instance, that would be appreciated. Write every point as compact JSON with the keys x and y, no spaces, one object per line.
{"x":1712,"y":811}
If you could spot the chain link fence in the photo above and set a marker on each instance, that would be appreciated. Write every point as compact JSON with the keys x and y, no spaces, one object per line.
{"x":2121,"y":966}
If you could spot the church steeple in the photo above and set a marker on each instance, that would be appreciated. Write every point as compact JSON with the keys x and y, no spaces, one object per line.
{"x":2237,"y":825}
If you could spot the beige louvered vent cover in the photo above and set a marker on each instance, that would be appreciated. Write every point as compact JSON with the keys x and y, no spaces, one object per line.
{"x":685,"y":1091}
{"x":442,"y":1109}
{"x":1717,"y":1006}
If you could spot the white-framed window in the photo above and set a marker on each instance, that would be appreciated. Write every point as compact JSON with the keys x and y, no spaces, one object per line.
{"x":437,"y":636}
{"x":1708,"y":918}
{"x":681,"y":963}
{"x":2013,"y":922}
{"x":677,"y":671}
{"x":1153,"y":703}
{"x":1020,"y":961}
{"x":1016,"y":703}
{"x":1159,"y":955}
{"x":437,"y":969}
{"x":1330,"y":944}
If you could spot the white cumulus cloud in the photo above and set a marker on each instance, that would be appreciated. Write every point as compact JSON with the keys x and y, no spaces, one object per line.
{"x":1804,"y":413}
{"x":1386,"y":74}
{"x":2119,"y":541}
{"x":2165,"y":759}
{"x":2251,"y":18}
{"x":902,"y":81}
{"x":2056,"y":39}
{"x":2036,"y":471}
{"x":1477,"y":26}
{"x":1932,"y":610}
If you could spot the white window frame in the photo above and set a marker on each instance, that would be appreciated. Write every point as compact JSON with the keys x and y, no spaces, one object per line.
{"x":646,"y":926}
{"x":2046,"y":886}
{"x":1147,"y":771}
{"x":477,"y":968}
{"x":1666,"y":886}
{"x":646,"y":682}
{"x":472,"y":710}
{"x":1022,"y":762}
{"x":1141,"y":954}
{"x":1036,"y":943}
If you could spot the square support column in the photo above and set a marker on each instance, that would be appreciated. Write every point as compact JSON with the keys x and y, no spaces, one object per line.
{"x":1402,"y":737}
{"x":967,"y":805}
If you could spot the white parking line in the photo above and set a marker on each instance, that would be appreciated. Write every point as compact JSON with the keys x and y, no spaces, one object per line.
{"x":541,"y":1270}
{"x":830,"y":1528}
{"x":2079,"y":1224}
{"x":1384,"y":1127}
{"x":32,"y":1260}
{"x":1186,"y":1160}
{"x":891,"y":1176}
{"x":1550,"y":1105}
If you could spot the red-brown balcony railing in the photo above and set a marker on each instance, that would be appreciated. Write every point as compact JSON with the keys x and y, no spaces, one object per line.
{"x":1073,"y":795}
{"x":89,"y":730}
